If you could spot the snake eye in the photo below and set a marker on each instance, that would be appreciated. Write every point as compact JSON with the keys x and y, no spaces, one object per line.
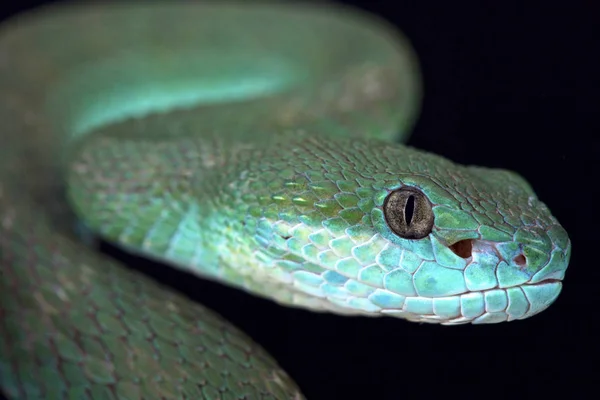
{"x":408,"y":213}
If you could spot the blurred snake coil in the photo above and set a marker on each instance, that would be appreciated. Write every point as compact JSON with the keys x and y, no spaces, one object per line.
{"x":254,"y":144}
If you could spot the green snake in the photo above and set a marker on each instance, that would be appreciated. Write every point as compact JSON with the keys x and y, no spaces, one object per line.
{"x":254,"y":144}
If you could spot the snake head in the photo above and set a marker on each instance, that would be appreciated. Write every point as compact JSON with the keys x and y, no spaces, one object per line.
{"x":493,"y":252}
{"x":369,"y":227}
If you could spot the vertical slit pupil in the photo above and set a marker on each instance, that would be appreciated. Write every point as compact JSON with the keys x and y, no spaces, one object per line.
{"x":409,"y":209}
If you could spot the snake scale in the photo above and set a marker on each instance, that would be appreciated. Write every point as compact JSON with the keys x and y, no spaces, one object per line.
{"x":254,"y":144}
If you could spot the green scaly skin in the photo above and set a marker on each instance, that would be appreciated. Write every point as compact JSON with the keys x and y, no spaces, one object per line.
{"x":252,"y":145}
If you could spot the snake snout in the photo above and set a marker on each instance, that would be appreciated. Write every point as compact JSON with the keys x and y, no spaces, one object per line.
{"x":466,"y":247}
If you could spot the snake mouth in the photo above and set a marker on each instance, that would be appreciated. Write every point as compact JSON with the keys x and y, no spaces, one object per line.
{"x":544,"y":282}
{"x":469,"y":248}
{"x":501,"y":303}
{"x":522,"y":302}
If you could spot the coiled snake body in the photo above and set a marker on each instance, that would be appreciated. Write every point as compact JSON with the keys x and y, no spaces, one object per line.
{"x":249,"y":144}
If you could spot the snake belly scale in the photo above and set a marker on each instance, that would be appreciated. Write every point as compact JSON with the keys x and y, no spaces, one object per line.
{"x":249,"y":143}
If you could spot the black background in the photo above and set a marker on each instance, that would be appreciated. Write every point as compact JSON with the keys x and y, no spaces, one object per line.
{"x":507,"y":84}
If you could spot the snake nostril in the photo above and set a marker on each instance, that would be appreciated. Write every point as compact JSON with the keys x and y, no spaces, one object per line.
{"x":463,"y":248}
{"x":520,"y":260}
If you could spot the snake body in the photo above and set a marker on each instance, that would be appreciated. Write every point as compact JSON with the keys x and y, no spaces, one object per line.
{"x":253,"y":145}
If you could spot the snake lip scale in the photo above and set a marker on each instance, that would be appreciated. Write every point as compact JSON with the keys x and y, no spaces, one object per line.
{"x":254,"y":144}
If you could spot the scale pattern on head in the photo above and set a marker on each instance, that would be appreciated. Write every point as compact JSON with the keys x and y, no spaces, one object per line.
{"x":311,"y":214}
